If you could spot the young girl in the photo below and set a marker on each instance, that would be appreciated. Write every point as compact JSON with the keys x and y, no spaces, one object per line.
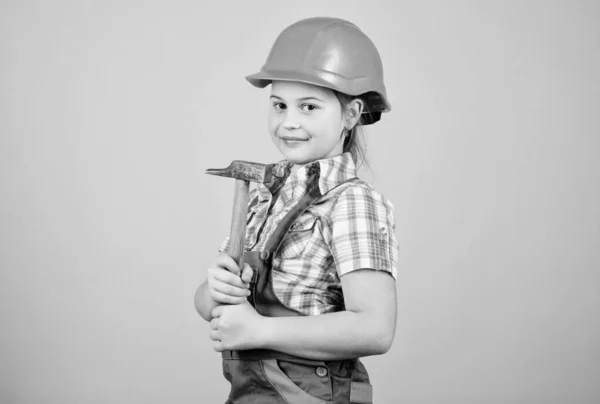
{"x":318,"y":288}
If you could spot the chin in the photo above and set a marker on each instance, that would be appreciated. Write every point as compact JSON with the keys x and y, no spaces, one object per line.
{"x":296,"y":158}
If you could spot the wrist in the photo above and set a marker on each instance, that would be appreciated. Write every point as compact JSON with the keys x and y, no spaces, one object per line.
{"x":264,"y":334}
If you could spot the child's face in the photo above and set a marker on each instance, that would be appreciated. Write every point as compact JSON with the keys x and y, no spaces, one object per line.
{"x":305,"y":121}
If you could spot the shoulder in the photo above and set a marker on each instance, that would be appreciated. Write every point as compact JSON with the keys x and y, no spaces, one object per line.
{"x":358,"y":199}
{"x":360,"y":192}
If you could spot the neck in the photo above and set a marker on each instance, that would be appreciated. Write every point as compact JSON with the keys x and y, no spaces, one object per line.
{"x":295,"y":168}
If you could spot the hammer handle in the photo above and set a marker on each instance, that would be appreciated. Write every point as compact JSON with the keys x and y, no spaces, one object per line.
{"x":237,"y":235}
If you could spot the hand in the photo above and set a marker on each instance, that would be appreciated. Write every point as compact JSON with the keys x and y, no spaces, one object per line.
{"x":236,"y":327}
{"x":225,"y":285}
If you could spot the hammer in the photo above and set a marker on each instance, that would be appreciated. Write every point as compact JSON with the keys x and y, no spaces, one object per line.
{"x":243,"y":172}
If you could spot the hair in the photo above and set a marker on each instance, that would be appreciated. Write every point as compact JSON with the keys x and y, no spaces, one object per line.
{"x":355,"y":142}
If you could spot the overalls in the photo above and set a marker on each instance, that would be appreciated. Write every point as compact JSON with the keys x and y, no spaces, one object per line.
{"x":269,"y":377}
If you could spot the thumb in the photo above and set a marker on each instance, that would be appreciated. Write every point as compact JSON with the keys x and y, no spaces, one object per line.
{"x":247,"y":273}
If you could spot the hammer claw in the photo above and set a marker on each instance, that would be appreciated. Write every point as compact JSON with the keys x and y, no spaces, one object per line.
{"x":244,"y":170}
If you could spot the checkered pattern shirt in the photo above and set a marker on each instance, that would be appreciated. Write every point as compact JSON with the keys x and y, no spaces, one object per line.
{"x":350,"y":227}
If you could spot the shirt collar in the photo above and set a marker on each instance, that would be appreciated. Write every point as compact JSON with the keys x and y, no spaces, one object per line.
{"x":329,"y":172}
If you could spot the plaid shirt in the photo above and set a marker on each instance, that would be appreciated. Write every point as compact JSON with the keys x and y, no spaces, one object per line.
{"x":350,"y":227}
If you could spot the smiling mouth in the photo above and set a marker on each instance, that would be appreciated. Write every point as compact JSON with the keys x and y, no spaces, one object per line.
{"x":292,"y":139}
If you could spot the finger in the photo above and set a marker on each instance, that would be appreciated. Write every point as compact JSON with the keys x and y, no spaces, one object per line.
{"x":217,"y":311}
{"x":227,"y":277}
{"x":227,"y":299}
{"x":230,"y":290}
{"x":214,"y":335}
{"x":218,"y":346}
{"x":228,"y":263}
{"x":214,"y":323}
{"x":247,"y":274}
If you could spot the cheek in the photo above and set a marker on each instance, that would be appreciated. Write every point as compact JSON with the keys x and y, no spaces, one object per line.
{"x":273,"y":123}
{"x":333,"y":126}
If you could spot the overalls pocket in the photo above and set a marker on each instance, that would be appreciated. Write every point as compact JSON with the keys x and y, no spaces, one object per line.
{"x":312,"y":378}
{"x":299,"y":383}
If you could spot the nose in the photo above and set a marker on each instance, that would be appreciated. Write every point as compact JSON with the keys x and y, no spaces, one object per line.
{"x":291,"y":120}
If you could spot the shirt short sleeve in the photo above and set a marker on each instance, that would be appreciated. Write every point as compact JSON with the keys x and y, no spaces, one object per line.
{"x":362,"y":232}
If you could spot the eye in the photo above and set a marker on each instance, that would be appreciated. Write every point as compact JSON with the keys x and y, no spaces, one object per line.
{"x":308,"y":107}
{"x":279,"y":106}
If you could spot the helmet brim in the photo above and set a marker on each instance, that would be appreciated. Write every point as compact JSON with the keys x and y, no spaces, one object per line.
{"x":264,"y":78}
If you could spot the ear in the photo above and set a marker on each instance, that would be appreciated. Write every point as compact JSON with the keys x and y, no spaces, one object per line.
{"x":353,"y":112}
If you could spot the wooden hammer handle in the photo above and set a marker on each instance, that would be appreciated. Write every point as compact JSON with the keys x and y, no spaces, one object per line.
{"x":237,"y":235}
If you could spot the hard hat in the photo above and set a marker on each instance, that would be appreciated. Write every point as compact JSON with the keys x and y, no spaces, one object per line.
{"x":332,"y":53}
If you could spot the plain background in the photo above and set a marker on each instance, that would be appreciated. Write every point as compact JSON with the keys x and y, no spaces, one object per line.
{"x":111,"y":111}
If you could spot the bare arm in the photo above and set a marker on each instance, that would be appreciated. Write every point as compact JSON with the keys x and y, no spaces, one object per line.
{"x":366,"y":327}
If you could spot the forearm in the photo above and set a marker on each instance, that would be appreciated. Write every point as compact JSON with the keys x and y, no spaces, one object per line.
{"x":204,"y":304}
{"x":331,"y":336}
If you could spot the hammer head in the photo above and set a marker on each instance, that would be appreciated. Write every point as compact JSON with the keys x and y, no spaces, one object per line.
{"x":244,"y":170}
